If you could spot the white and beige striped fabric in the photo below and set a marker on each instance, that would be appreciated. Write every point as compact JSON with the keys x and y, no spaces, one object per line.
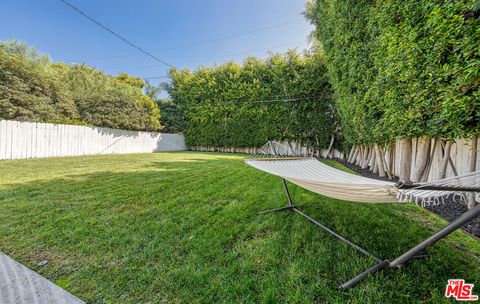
{"x":307,"y":172}
{"x":311,"y":174}
{"x":317,"y":177}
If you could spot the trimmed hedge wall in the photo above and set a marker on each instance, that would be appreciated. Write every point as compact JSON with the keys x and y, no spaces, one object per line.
{"x":230,"y":105}
{"x":401,"y":69}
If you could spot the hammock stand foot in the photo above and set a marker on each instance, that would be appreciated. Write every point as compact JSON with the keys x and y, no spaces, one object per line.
{"x":277,"y":209}
{"x":413,"y":253}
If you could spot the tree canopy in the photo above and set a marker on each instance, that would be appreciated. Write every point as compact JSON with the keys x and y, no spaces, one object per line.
{"x":172,"y":120}
{"x":34,"y":89}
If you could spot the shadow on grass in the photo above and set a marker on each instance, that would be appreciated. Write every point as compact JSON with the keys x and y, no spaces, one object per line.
{"x":182,"y":230}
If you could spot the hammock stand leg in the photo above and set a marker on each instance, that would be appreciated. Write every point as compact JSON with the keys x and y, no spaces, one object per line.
{"x":454,"y":225}
{"x":294,"y":208}
{"x":290,"y":205}
{"x":397,"y":262}
{"x":412,"y":253}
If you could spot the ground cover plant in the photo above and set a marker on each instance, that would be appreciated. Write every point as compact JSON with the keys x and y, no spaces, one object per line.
{"x":182,"y":228}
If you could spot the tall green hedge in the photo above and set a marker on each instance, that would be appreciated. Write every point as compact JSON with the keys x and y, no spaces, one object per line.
{"x":230,"y":105}
{"x":34,"y":89}
{"x":401,"y":69}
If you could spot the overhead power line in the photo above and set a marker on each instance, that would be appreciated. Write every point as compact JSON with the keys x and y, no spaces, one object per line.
{"x":208,"y":40}
{"x":115,"y":34}
{"x":156,"y":77}
{"x":237,"y":101}
{"x":226,"y":57}
{"x":230,"y":36}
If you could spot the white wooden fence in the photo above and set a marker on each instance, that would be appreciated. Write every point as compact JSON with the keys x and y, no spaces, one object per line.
{"x":460,"y":155}
{"x":21,"y":140}
{"x":297,"y":149}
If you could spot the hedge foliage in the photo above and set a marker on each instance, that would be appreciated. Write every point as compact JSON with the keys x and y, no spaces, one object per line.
{"x":401,"y":69}
{"x":34,"y":89}
{"x":172,"y":117}
{"x":231,"y":105}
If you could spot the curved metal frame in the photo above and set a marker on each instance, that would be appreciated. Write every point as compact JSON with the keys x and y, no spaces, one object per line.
{"x":382,"y":264}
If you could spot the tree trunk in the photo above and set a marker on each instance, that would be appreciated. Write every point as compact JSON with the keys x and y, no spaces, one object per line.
{"x":392,"y":159}
{"x":387,"y":170}
{"x":473,"y":164}
{"x":445,"y":159}
{"x":370,"y":158}
{"x":406,"y":158}
{"x":366,"y":156}
{"x":291,"y":152}
{"x":355,"y":154}
{"x":385,"y":164}
{"x":371,"y":161}
{"x":379,"y":159}
{"x":426,"y":172}
{"x":330,"y":146}
{"x":362,"y":156}
{"x":421,"y":159}
{"x":359,"y":156}
{"x":352,"y":150}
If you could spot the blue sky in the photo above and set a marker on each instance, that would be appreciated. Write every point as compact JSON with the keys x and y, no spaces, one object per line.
{"x":157,"y":26}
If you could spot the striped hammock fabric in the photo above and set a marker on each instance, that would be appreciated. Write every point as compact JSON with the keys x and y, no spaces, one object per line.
{"x":309,"y":173}
{"x":293,"y":164}
{"x":317,"y":177}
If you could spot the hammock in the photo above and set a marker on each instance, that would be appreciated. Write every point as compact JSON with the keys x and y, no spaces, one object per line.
{"x":297,"y":167}
{"x":317,"y":177}
{"x":311,"y":174}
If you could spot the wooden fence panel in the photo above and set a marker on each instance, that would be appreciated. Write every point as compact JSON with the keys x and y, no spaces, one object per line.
{"x":23,"y":140}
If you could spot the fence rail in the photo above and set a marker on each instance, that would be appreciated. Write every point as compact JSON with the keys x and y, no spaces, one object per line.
{"x":22,"y":140}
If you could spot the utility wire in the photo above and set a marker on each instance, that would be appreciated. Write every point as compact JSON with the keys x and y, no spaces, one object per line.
{"x":230,"y":36}
{"x":207,"y":41}
{"x":237,"y":101}
{"x":115,"y":34}
{"x":225,"y":57}
{"x":156,"y":77}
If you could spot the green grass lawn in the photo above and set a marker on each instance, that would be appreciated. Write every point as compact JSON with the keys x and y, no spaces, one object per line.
{"x":183,"y":228}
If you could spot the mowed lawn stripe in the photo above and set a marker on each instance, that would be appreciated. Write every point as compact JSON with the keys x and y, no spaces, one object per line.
{"x":183,"y":227}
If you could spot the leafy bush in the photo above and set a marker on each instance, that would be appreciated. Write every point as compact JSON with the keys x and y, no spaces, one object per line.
{"x":172,"y":120}
{"x":30,"y":91}
{"x":230,"y":105}
{"x":33,"y":89}
{"x":401,"y":69}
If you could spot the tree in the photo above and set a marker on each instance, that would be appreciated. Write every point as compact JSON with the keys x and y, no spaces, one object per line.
{"x":401,"y":69}
{"x":29,"y":91}
{"x":34,"y":89}
{"x":172,"y":118}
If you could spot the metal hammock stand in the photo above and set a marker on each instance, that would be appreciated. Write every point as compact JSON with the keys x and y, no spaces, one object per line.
{"x":412,"y":253}
{"x":381,"y":264}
